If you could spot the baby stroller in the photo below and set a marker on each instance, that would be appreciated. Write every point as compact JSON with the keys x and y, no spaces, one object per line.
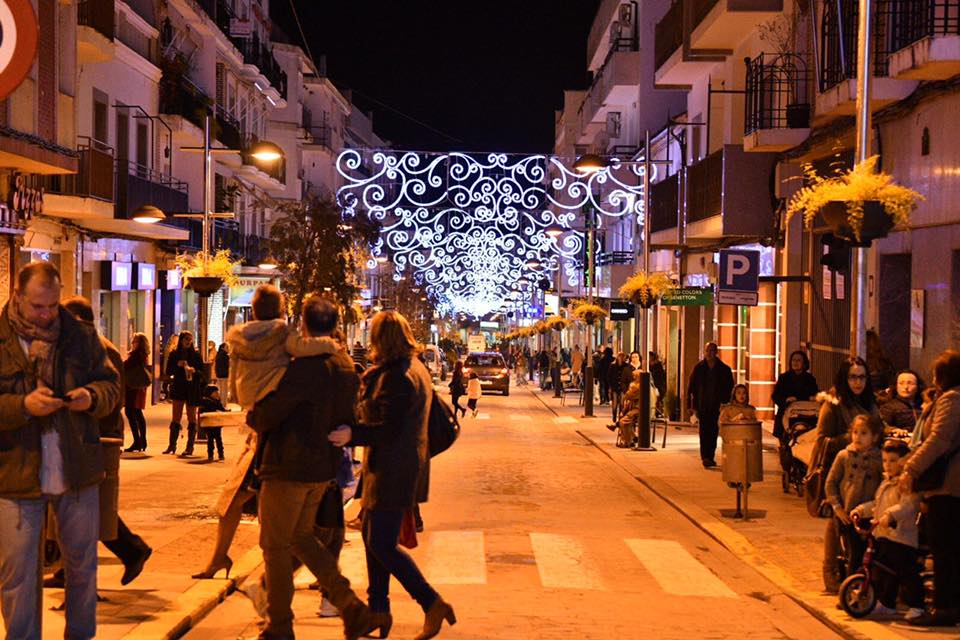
{"x":799,"y":419}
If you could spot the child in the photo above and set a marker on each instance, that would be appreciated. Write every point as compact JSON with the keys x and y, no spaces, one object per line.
{"x":895,"y":529}
{"x":473,"y":392}
{"x":260,"y":350}
{"x":853,"y":480}
{"x":211,"y":402}
{"x":739,"y":408}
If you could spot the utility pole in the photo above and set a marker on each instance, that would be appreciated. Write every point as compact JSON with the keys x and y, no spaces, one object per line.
{"x":858,"y":303}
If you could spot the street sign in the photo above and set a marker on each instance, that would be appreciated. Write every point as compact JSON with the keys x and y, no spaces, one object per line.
{"x":687,"y":297}
{"x":18,"y":43}
{"x":739,"y":277}
{"x":621,"y":310}
{"x":476,"y":343}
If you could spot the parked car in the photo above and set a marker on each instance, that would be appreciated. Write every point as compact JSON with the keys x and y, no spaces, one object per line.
{"x":490,"y":368}
{"x":435,"y":361}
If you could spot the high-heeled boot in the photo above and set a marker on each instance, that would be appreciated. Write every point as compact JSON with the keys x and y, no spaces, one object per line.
{"x":191,"y":438}
{"x":174,"y":436}
{"x":436,"y":614}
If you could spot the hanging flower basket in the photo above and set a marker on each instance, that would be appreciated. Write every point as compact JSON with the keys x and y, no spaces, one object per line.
{"x":589,"y":313}
{"x":875,"y":223}
{"x":646,"y":289}
{"x":204,"y":285}
{"x":859,"y":205}
{"x":556,"y":323}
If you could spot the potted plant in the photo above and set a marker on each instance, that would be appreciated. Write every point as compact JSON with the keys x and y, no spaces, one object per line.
{"x":645,"y":289}
{"x":589,"y":313}
{"x":859,"y":205}
{"x":557,"y":323}
{"x":206,"y":276}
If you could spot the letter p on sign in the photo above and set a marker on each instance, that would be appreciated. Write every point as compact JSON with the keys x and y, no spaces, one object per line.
{"x":739,"y":277}
{"x":737,"y":265}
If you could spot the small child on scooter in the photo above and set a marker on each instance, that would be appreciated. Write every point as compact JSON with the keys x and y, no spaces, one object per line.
{"x":896,"y":538}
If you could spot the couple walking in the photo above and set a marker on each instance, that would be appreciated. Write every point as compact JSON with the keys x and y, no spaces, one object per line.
{"x":302,"y":424}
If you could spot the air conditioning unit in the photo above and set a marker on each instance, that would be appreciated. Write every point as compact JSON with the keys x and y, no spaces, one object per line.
{"x":626,"y":14}
{"x":613,"y":124}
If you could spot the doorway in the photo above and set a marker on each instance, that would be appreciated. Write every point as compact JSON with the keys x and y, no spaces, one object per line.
{"x":894,"y":306}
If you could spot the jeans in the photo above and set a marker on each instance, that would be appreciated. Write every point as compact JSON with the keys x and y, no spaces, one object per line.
{"x":21,"y":528}
{"x":943,"y":522}
{"x":903,"y":561}
{"x":138,"y":427}
{"x":288,"y":511}
{"x":381,"y":529}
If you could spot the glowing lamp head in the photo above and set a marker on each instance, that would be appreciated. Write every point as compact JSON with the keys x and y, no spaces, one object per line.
{"x":555,"y":231}
{"x":381,"y":259}
{"x":148,"y":214}
{"x":590,"y":163}
{"x":266,"y":151}
{"x":268,"y":264}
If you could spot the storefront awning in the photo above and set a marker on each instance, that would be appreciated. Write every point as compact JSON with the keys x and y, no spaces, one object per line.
{"x":113,"y":226}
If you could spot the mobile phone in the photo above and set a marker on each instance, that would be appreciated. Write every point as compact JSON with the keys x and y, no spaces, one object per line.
{"x":62,"y":396}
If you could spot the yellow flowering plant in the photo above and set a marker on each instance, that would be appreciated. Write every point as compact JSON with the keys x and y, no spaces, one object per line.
{"x":557,"y":323}
{"x":644,"y":288}
{"x":588,"y":313}
{"x":219,"y":265}
{"x":853,"y":187}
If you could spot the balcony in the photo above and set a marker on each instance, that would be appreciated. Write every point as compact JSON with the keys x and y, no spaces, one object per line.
{"x":777,"y":110}
{"x":838,"y":71}
{"x":615,"y":84}
{"x":220,"y":12}
{"x":926,"y":40}
{"x":180,"y":97}
{"x":668,"y":34}
{"x":258,"y":61}
{"x":227,"y":129}
{"x":251,"y":247}
{"x":728,"y":194}
{"x":675,"y":63}
{"x":138,"y":185}
{"x":95,"y":30}
{"x":664,"y":200}
{"x":723,"y":24}
{"x":319,"y":136}
{"x":89,"y":193}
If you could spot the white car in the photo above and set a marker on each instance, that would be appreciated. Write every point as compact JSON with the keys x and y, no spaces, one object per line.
{"x":436,"y":362}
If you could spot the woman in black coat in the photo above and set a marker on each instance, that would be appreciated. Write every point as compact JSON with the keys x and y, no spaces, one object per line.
{"x":392,"y":418}
{"x":796,"y":384}
{"x":185,"y":370}
{"x":458,"y":388}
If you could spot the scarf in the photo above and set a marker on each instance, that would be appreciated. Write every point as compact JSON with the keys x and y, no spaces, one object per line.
{"x":43,"y":341}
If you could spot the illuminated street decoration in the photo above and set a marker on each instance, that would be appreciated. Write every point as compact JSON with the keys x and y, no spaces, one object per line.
{"x":467,"y":225}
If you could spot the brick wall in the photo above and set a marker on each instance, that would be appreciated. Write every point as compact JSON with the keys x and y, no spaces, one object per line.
{"x":47,"y":70}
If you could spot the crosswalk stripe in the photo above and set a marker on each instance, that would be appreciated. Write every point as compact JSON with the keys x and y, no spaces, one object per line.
{"x":483,"y":416}
{"x":676,"y":571}
{"x":455,"y":557}
{"x":564,"y":420}
{"x":562,"y":563}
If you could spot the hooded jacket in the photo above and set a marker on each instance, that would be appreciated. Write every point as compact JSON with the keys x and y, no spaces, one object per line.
{"x":260,"y":352}
{"x":854,"y":477}
{"x":903,"y":508}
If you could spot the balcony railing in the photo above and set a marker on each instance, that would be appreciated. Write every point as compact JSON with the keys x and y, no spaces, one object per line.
{"x":227,"y":129}
{"x":252,"y":248}
{"x":180,"y":97}
{"x":777,"y":88}
{"x":94,"y":178}
{"x":668,"y":34}
{"x":838,"y":40}
{"x":705,"y":187}
{"x":138,"y":185}
{"x":98,"y":15}
{"x":918,"y":19}
{"x":256,"y":54}
{"x":220,"y":12}
{"x":664,"y":200}
{"x":319,"y":135}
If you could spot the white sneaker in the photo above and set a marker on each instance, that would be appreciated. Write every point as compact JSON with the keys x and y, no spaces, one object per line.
{"x":913,"y":613}
{"x":258,"y":598}
{"x":327,"y":610}
{"x":882,"y":610}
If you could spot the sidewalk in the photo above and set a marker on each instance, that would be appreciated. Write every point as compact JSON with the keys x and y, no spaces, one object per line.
{"x":780,"y":540}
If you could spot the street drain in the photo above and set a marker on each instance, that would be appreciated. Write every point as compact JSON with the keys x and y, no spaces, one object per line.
{"x":511,"y":558}
{"x":763,"y":597}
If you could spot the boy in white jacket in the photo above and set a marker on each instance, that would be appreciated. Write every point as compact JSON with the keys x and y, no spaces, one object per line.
{"x":895,"y":530}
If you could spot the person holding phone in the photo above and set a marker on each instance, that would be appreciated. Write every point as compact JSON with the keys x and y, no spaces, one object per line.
{"x":186,"y":372}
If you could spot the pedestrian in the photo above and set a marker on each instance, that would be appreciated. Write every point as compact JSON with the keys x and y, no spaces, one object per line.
{"x":894,"y":514}
{"x":614,"y":380}
{"x":530,"y":361}
{"x":901,"y":404}
{"x":211,"y":351}
{"x":394,"y":410}
{"x":137,"y":378}
{"x":555,"y":363}
{"x":853,"y":480}
{"x":711,"y":383}
{"x":797,"y":383}
{"x":185,"y":371}
{"x":167,"y":351}
{"x":739,"y":408}
{"x":128,"y":547}
{"x":359,"y":353}
{"x":521,"y":370}
{"x":576,"y":364}
{"x":543,"y":367}
{"x":850,"y":396}
{"x":601,"y":369}
{"x":56,"y":382}
{"x":458,"y":388}
{"x":298,"y":466}
{"x":221,"y":368}
{"x":473,"y":393}
{"x":209,"y":403}
{"x":940,"y":440}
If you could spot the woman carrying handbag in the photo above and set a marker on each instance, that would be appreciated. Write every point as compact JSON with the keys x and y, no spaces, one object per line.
{"x":137,"y":378}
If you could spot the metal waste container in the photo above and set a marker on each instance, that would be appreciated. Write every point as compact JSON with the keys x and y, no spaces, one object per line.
{"x":742,"y":452}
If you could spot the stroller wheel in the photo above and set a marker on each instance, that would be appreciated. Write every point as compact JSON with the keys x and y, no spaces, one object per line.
{"x":857,"y":596}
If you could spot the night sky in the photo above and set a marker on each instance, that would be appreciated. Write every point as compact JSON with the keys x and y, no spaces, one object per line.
{"x":487,"y":74}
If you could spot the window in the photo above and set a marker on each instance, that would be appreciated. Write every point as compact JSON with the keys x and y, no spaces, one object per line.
{"x":485,"y":360}
{"x":101,"y":132}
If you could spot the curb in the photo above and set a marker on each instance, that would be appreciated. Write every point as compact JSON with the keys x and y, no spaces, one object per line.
{"x":744,"y":550}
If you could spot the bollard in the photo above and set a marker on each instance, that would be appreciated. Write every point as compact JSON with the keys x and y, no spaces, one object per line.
{"x":643,"y":421}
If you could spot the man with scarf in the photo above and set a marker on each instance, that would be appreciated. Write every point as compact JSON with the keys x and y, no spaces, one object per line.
{"x":55,"y":384}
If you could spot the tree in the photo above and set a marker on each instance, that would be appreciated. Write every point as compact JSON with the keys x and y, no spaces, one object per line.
{"x":318,"y":251}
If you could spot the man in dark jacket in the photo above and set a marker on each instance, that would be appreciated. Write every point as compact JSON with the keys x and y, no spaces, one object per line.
{"x":711,"y":384}
{"x":614,"y":371}
{"x":55,"y":384}
{"x":298,"y":466}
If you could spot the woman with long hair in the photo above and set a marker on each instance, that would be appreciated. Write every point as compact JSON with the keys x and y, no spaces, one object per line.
{"x":137,"y":378}
{"x":395,"y":397}
{"x":458,"y":387}
{"x":186,"y":372}
{"x":851,"y":395}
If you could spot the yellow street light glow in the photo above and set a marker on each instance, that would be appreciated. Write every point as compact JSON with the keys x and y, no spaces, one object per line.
{"x":148,"y":214}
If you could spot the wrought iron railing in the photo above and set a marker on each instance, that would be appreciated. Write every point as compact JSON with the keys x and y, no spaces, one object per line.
{"x":180,"y":97}
{"x":250,"y":247}
{"x":777,"y":93}
{"x":838,"y":40}
{"x":138,"y":185}
{"x":94,"y":179}
{"x":705,"y":187}
{"x":227,"y":129}
{"x":256,"y":54}
{"x":98,"y":15}
{"x":918,"y":19}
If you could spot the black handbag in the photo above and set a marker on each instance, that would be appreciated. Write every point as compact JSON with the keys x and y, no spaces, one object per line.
{"x":442,"y":426}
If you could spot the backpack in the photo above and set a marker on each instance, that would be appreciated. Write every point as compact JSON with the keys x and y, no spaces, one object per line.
{"x":442,"y":426}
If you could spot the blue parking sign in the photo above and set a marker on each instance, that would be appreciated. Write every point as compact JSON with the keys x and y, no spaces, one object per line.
{"x":739,"y":277}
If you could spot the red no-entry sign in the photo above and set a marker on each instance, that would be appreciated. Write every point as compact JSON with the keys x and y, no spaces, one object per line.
{"x":18,"y":43}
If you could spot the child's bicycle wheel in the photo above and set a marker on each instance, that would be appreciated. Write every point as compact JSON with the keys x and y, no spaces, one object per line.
{"x":857,"y":596}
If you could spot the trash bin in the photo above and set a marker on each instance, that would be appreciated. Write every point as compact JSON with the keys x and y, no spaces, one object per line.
{"x":742,"y":452}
